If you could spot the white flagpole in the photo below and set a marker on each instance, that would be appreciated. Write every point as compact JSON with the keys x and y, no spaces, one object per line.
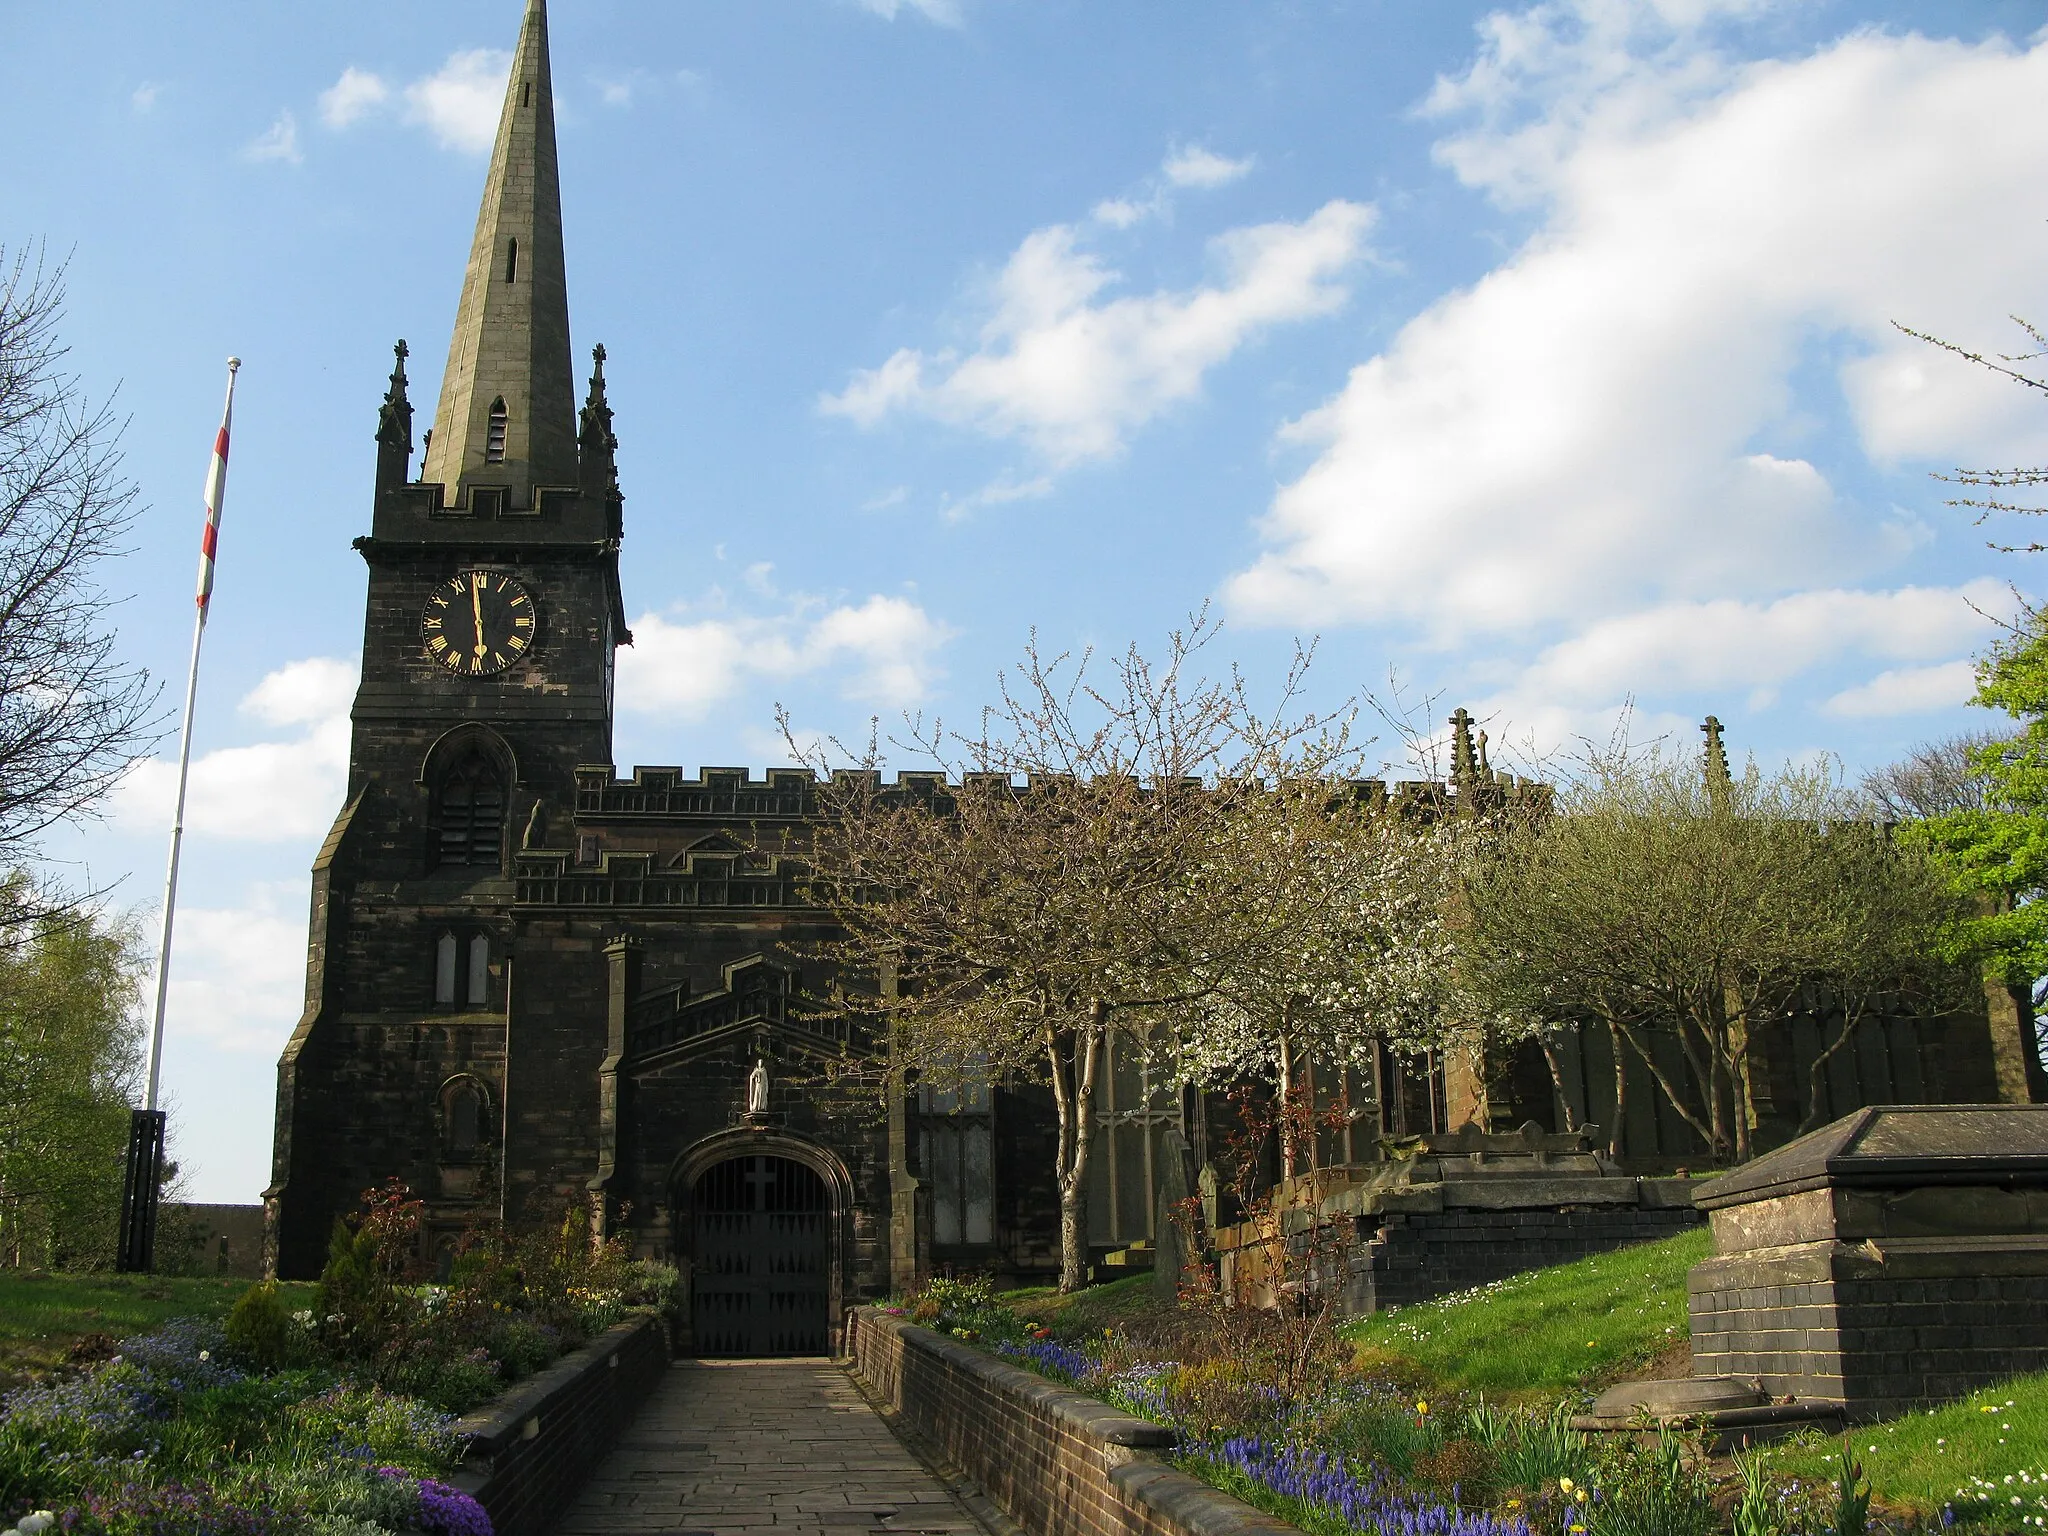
{"x":216,"y":490}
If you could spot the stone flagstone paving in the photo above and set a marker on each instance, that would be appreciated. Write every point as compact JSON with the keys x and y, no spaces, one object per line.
{"x":761,"y":1446}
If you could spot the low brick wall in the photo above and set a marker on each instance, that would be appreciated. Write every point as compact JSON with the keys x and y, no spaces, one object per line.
{"x":1412,"y":1257}
{"x":1881,"y":1328}
{"x":1059,"y":1463}
{"x":533,"y":1448}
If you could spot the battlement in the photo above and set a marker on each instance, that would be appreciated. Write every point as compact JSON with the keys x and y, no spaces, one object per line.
{"x":790,"y":794}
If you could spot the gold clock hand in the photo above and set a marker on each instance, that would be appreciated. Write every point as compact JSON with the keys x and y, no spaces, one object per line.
{"x":476,"y":603}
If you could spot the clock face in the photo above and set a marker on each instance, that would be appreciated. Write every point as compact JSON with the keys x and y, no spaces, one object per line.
{"x":478,"y":623}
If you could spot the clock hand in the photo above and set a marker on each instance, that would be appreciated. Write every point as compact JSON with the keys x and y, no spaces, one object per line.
{"x":476,"y":603}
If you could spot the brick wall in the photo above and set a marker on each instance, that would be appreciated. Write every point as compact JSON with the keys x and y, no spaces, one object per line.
{"x":533,"y":1448}
{"x":1414,"y":1256}
{"x":1059,"y":1463}
{"x":1879,"y":1328}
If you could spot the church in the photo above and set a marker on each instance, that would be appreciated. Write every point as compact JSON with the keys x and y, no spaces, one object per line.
{"x":533,"y":984}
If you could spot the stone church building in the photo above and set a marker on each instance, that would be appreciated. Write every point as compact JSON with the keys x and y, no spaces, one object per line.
{"x":532,"y":983}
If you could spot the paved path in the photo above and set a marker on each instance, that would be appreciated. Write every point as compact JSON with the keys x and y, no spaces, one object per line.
{"x":760,"y":1446}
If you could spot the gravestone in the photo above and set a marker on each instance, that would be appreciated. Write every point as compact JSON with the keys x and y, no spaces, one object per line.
{"x":1896,"y":1257}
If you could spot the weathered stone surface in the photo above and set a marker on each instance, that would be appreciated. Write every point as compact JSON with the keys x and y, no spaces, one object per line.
{"x":1676,"y":1397}
{"x":1894,"y":1258}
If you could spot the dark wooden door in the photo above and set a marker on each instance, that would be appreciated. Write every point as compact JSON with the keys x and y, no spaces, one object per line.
{"x":762,"y":1271}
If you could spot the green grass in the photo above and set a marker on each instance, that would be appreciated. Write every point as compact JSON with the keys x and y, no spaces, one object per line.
{"x":1927,"y":1459}
{"x":43,"y":1315}
{"x":1088,"y":1311}
{"x":1549,"y":1332}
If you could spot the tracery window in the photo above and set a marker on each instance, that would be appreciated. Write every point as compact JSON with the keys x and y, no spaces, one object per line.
{"x":956,"y":1151}
{"x":471,"y":826}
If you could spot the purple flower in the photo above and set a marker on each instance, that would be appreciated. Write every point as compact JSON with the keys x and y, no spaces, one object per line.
{"x":448,"y":1511}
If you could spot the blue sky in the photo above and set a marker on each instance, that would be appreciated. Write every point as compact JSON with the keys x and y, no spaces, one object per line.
{"x":1541,"y":353}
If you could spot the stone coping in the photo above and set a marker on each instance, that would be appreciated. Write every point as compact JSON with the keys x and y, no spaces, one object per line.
{"x":1898,"y":1146}
{"x":1076,"y":1410}
{"x":1121,"y":1457}
{"x":494,"y":1425}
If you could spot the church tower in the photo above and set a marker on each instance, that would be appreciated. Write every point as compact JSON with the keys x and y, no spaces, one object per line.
{"x":493,"y":613}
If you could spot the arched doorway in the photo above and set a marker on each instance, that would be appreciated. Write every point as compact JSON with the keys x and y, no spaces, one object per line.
{"x":761,"y":1230}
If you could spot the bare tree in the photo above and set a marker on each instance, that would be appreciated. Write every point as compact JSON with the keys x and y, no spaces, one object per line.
{"x":73,"y":716}
{"x":1934,"y":779}
{"x":1054,"y":882}
{"x":2000,"y":482}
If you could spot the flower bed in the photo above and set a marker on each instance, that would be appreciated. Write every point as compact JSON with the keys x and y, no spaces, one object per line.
{"x":1278,"y":1413}
{"x":335,"y":1419}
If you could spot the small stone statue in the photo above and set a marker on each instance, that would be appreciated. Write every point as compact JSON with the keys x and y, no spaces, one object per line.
{"x":536,"y":826}
{"x":757,"y":1088}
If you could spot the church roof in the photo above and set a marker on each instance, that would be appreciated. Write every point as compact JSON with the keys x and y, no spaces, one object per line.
{"x":508,"y":409}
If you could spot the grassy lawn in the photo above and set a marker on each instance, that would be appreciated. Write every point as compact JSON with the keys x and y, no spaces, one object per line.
{"x":1927,"y":1459}
{"x":1117,"y":1303}
{"x":43,"y":1315}
{"x":1550,"y":1332}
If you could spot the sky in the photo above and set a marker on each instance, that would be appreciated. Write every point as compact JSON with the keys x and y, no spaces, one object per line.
{"x":1537,"y":358}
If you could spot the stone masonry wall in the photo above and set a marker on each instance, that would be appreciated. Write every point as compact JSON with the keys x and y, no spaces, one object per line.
{"x":1414,"y":1256}
{"x":532,"y":1449}
{"x":1059,"y":1463}
{"x":1879,"y":1328}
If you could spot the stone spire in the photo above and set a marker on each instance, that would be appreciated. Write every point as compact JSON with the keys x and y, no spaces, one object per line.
{"x":1719,"y":781}
{"x":508,"y":400}
{"x":394,"y":427}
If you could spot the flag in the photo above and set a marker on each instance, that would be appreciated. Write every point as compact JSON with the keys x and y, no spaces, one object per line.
{"x":216,"y":490}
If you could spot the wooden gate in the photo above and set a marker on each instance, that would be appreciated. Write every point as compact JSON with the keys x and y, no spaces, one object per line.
{"x":761,"y":1275}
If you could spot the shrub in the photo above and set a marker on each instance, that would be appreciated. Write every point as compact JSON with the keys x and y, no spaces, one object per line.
{"x":259,"y":1328}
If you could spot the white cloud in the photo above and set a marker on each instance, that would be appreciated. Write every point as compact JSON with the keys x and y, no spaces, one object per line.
{"x":238,"y":974}
{"x":357,"y":93}
{"x":1729,"y":644}
{"x":461,"y":101}
{"x":945,"y":13}
{"x":1599,"y":425}
{"x":1193,"y":166}
{"x":268,"y":791}
{"x":1073,"y":373}
{"x":280,"y":141}
{"x":1907,"y":691}
{"x":143,"y":99}
{"x":885,"y":652}
{"x":999,"y":492}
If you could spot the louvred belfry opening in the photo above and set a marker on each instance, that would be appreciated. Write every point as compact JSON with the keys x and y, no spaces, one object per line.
{"x":472,"y":814}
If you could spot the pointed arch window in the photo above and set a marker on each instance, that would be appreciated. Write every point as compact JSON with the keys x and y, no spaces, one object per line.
{"x":462,"y":1118}
{"x":444,"y":969}
{"x":494,"y":434}
{"x":479,"y":971}
{"x":471,"y":826}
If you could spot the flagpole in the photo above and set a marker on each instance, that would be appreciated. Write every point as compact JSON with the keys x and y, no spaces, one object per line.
{"x":144,"y":1175}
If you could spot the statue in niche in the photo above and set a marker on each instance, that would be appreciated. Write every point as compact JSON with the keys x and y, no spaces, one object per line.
{"x":757,"y":1088}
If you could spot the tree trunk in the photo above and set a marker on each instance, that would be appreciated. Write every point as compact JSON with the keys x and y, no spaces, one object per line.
{"x":1657,"y":1075}
{"x":1073,"y":1088}
{"x":1564,"y":1105}
{"x":1287,"y":1126}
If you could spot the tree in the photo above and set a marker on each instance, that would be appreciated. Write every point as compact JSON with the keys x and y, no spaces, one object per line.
{"x":73,"y":717}
{"x":1995,"y":845}
{"x":1933,"y":779}
{"x":70,"y":1052}
{"x":1670,"y":900}
{"x":1007,"y":927}
{"x":1333,"y":935}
